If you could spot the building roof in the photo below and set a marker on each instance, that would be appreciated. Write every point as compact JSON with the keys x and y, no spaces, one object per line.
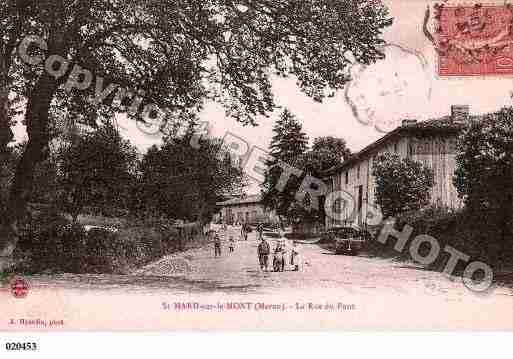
{"x":443,"y":125}
{"x":255,"y":198}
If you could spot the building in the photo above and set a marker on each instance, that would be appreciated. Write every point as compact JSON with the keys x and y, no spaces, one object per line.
{"x":244,"y":209}
{"x":431,"y":142}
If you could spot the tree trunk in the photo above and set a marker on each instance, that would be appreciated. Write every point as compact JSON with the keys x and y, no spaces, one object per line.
{"x":36,"y":120}
{"x":6,"y":136}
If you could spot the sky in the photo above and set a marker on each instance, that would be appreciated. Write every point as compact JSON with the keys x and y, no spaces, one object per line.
{"x":404,"y":85}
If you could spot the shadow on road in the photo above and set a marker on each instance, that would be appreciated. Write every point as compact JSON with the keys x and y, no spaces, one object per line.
{"x":141,"y":283}
{"x":416,"y":267}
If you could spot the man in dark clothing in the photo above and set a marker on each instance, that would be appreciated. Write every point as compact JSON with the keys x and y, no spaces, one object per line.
{"x":217,"y":245}
{"x":263,"y":254}
{"x":279,"y":258}
{"x":245,"y":231}
{"x":260,"y":230}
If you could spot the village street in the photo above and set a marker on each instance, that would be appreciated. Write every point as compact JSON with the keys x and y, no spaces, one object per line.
{"x":367,"y":292}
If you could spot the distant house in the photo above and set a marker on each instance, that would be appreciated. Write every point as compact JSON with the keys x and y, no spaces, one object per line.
{"x":244,"y":209}
{"x":431,"y":142}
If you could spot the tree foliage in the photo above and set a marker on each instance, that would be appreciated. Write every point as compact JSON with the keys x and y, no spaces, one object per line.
{"x":289,"y":146}
{"x":289,"y":143}
{"x":402,"y":185}
{"x":97,"y":170}
{"x":484,"y":170}
{"x":180,"y":181}
{"x":326,"y":152}
{"x":177,"y":53}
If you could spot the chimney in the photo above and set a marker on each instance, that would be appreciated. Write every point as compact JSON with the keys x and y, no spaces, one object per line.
{"x":409,"y":122}
{"x":459,"y":113}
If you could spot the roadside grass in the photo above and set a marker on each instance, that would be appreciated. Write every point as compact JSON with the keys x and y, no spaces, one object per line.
{"x":4,"y":276}
{"x":476,"y":238}
{"x":51,"y":243}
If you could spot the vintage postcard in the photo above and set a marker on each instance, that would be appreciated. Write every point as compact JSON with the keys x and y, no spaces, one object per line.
{"x":255,"y":165}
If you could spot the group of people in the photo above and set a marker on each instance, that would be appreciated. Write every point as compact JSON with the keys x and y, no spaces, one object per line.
{"x":217,"y":244}
{"x":245,"y":230}
{"x":281,"y":254}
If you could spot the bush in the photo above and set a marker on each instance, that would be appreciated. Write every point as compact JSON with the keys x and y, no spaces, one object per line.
{"x":141,"y":244}
{"x":52,"y":243}
{"x":458,"y":229}
{"x":105,"y":252}
{"x":402,"y":185}
{"x":483,"y":180}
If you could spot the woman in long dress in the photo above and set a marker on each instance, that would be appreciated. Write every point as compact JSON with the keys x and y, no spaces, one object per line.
{"x":295,"y":257}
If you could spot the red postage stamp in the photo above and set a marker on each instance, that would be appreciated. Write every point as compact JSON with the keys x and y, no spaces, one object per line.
{"x":474,"y":40}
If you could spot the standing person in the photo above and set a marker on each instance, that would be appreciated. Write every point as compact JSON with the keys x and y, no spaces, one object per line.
{"x":244,"y":231}
{"x":260,"y":230}
{"x":207,"y":228}
{"x":295,"y":257}
{"x":217,"y":245}
{"x":231,"y":244}
{"x":263,"y":254}
{"x":279,"y":257}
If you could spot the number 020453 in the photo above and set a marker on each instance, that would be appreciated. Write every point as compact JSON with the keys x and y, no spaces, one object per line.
{"x":10,"y":346}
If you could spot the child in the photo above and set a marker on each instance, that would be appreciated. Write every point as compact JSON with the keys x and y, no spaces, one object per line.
{"x":231,"y":244}
{"x":295,"y":257}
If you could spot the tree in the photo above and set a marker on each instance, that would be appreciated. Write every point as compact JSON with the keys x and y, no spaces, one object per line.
{"x":288,"y":145}
{"x":402,"y":185}
{"x":177,"y":53}
{"x":484,"y":171}
{"x":180,"y":181}
{"x":326,"y":152}
{"x":289,"y":142}
{"x":97,"y":170}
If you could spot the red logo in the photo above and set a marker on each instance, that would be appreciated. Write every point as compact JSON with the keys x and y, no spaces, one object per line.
{"x":19,"y":287}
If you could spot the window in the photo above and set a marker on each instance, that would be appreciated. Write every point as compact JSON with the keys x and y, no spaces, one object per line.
{"x":347,"y":177}
{"x":358,"y":172}
{"x":395,"y":147}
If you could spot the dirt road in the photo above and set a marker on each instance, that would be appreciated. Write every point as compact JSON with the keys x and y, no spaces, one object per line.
{"x":332,"y":291}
